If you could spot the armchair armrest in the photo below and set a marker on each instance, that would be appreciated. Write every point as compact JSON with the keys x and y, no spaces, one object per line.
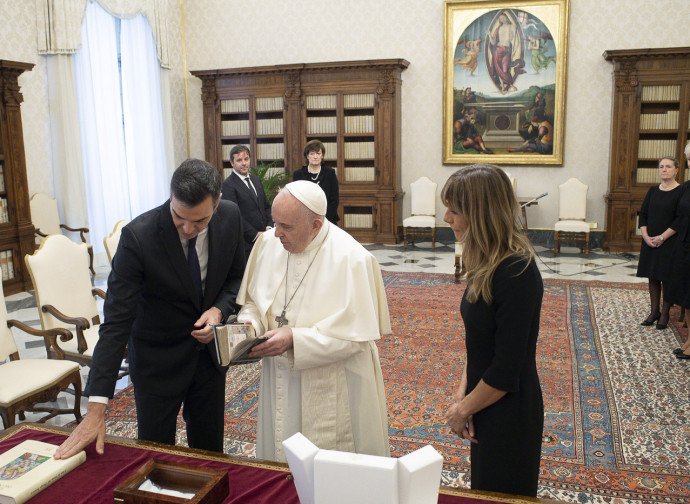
{"x":79,"y":322}
{"x":98,"y":292}
{"x":49,"y":335}
{"x":80,"y":230}
{"x":40,"y":233}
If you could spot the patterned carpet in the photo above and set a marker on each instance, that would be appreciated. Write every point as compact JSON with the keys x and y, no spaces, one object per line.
{"x":617,"y":401}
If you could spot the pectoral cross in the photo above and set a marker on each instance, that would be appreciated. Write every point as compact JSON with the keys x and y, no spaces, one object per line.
{"x":281,"y":319}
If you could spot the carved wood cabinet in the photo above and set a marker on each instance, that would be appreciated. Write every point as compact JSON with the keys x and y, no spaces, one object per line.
{"x":16,"y":230}
{"x":651,"y":119}
{"x":353,"y":107}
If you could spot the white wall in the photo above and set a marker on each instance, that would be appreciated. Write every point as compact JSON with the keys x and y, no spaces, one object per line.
{"x":413,"y":30}
{"x":236,"y":33}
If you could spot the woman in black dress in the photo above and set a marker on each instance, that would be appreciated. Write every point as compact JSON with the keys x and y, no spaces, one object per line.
{"x":498,"y":404}
{"x":658,"y":222}
{"x":679,"y":286}
{"x":322,"y":175}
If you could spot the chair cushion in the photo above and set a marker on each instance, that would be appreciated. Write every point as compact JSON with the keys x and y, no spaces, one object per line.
{"x":91,"y":336}
{"x":458,"y":248}
{"x":571,"y":226}
{"x":22,"y":378}
{"x":419,"y":221}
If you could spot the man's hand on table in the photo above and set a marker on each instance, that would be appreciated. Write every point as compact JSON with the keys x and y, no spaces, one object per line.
{"x":91,"y":428}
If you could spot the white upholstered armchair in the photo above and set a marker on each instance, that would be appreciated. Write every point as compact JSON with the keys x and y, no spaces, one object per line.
{"x":65,"y":295}
{"x":572,"y":210}
{"x":423,"y":218}
{"x":28,"y":382}
{"x":46,"y":220}
{"x":110,"y":242}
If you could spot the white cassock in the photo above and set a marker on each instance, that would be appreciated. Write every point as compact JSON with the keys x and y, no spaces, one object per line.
{"x":329,"y":386}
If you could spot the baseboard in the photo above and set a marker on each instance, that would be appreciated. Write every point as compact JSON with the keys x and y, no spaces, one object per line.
{"x":541,"y":237}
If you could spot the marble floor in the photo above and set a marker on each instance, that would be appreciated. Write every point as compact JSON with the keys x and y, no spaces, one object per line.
{"x":569,"y":264}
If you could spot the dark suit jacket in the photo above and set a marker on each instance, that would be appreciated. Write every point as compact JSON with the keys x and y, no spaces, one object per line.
{"x":152,"y":303}
{"x":256,"y":213}
{"x":328,"y":181}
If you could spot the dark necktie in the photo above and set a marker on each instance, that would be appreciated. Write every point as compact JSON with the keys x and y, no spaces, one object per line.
{"x":251,"y":187}
{"x":195,"y":269}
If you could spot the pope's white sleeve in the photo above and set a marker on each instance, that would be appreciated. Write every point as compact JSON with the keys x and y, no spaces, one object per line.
{"x":313,"y":349}
{"x":250,"y":313}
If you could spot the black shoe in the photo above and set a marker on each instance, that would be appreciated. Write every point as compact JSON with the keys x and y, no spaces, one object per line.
{"x":683,"y":356}
{"x":661,"y":326}
{"x":648,"y":321}
{"x":678,"y":351}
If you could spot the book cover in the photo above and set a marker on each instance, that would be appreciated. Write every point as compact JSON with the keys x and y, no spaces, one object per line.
{"x":29,"y":467}
{"x":233,"y":342}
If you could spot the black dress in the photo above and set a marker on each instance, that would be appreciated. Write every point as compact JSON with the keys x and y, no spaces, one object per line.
{"x":678,"y":288}
{"x":501,"y":343}
{"x":328,"y":181}
{"x":658,"y":213}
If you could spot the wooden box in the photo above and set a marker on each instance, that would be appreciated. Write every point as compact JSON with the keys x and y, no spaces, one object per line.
{"x":210,"y":486}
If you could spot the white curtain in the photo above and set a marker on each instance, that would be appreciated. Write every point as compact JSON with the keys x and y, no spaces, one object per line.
{"x":100,"y":118}
{"x":68,"y":174}
{"x":123,"y":144}
{"x":143,"y":116}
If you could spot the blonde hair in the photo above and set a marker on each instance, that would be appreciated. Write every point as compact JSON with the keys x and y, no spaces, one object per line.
{"x":484,"y":196}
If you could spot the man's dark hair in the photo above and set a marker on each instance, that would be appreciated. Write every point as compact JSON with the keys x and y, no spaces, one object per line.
{"x":238,"y":149}
{"x":195,"y":180}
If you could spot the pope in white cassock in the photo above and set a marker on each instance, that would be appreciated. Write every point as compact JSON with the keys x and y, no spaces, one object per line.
{"x":318,"y":296}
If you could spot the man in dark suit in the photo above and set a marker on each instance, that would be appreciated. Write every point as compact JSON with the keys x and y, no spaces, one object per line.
{"x":246,"y":190}
{"x":176,"y":273}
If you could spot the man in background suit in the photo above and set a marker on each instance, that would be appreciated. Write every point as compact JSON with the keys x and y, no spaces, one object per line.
{"x":246,"y":190}
{"x":176,"y":273}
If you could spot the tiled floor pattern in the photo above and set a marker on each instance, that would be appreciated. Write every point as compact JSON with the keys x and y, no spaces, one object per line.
{"x":611,"y":267}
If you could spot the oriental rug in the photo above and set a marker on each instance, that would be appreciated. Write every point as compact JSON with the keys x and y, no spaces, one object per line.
{"x":617,"y":402}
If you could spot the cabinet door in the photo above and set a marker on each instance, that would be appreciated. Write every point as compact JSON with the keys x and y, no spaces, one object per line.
{"x":659,"y":132}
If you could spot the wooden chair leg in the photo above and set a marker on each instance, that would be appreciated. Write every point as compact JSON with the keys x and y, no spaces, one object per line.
{"x":433,"y":238}
{"x":7,"y":419}
{"x":457,"y":269}
{"x":556,"y":243}
{"x":586,"y":244}
{"x":93,"y":271}
{"x":405,"y":238}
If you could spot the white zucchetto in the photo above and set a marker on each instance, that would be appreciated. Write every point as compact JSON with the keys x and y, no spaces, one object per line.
{"x":309,"y":194}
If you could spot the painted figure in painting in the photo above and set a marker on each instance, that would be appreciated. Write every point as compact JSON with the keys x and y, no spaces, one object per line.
{"x":504,"y":43}
{"x":538,"y":106}
{"x":465,"y":134}
{"x":471,"y":52}
{"x":536,"y":45}
{"x":543,"y":142}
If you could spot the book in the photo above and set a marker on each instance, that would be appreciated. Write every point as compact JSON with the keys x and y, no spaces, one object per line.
{"x":29,"y":467}
{"x":233,"y":342}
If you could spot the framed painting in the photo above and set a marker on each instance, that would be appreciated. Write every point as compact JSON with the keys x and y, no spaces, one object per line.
{"x":504,"y":80}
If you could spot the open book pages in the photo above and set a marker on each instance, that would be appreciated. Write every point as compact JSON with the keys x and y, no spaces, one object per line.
{"x":29,"y":467}
{"x":233,"y":342}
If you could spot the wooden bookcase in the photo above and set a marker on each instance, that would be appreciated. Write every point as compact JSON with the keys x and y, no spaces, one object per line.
{"x":16,"y":230}
{"x":651,"y":119}
{"x":353,"y":107}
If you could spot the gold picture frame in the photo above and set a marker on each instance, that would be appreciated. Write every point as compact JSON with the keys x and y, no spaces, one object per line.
{"x":504,"y":81}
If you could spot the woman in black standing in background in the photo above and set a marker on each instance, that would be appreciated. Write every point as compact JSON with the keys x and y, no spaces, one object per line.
{"x":322,"y":175}
{"x":498,"y":404}
{"x":657,"y":223}
{"x":679,"y":285}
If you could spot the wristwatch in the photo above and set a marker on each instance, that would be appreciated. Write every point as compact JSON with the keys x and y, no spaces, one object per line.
{"x":661,"y":237}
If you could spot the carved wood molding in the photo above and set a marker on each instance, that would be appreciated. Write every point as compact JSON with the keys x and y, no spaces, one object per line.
{"x":292,"y":87}
{"x":208,"y":89}
{"x":9,"y":77}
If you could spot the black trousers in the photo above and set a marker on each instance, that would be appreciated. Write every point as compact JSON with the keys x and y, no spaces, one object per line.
{"x":203,"y":410}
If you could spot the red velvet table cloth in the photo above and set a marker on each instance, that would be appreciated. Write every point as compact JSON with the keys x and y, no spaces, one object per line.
{"x":251,"y":480}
